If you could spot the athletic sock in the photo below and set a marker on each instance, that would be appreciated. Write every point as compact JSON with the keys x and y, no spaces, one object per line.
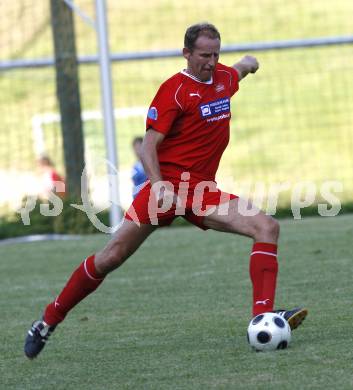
{"x":263,"y":274}
{"x":82,"y":282}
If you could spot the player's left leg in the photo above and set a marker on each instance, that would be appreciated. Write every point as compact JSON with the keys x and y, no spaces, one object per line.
{"x":84,"y":280}
{"x":92,"y":271}
{"x":264,"y":230}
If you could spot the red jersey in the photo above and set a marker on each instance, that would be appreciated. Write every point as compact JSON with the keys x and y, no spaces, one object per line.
{"x":194,"y":116}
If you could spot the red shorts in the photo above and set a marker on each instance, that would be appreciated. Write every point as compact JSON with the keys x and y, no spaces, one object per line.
{"x":198,"y":199}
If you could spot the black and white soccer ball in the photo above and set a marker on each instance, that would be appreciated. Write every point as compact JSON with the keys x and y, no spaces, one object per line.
{"x":268,"y":332}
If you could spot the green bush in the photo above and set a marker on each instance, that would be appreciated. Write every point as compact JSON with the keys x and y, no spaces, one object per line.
{"x":70,"y":221}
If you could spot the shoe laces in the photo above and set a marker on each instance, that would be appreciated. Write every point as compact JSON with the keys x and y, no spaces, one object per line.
{"x":42,"y":329}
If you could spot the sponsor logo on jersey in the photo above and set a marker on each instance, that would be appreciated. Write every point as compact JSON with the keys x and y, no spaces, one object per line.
{"x":216,"y":107}
{"x":219,"y":117}
{"x":152,"y":113}
{"x":219,"y":87}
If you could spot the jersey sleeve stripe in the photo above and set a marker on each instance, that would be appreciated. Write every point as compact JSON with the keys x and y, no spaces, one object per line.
{"x":175,"y":96}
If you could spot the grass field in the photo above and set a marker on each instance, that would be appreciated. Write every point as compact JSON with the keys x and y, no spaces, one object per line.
{"x":175,"y":315}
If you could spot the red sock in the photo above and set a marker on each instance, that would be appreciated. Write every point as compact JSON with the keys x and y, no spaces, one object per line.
{"x":83,"y":281}
{"x":263,"y":274}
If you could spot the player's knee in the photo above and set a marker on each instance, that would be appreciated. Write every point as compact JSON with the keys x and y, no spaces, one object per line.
{"x":271,"y":227}
{"x":267,"y":229}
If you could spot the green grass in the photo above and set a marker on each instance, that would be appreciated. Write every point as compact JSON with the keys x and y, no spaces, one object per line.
{"x":175,"y":315}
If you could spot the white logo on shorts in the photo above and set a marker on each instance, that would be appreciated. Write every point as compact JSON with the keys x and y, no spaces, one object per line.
{"x":264,"y":302}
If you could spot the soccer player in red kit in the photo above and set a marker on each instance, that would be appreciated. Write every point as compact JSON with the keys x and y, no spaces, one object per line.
{"x":187,"y":131}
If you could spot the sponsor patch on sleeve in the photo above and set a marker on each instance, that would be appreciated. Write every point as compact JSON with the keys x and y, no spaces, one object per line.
{"x":152,"y":113}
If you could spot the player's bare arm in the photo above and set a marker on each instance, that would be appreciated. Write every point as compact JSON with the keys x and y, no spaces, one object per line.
{"x":248,"y":64}
{"x":149,"y":155}
{"x":150,"y":162}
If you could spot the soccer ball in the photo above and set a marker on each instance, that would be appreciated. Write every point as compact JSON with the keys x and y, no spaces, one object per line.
{"x":268,"y":332}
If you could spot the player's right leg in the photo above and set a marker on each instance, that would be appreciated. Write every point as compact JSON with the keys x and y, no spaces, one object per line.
{"x":263,"y":267}
{"x":84,"y":280}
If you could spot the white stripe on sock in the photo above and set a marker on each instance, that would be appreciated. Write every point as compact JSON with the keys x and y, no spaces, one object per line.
{"x":263,"y":253}
{"x":88,"y":274}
